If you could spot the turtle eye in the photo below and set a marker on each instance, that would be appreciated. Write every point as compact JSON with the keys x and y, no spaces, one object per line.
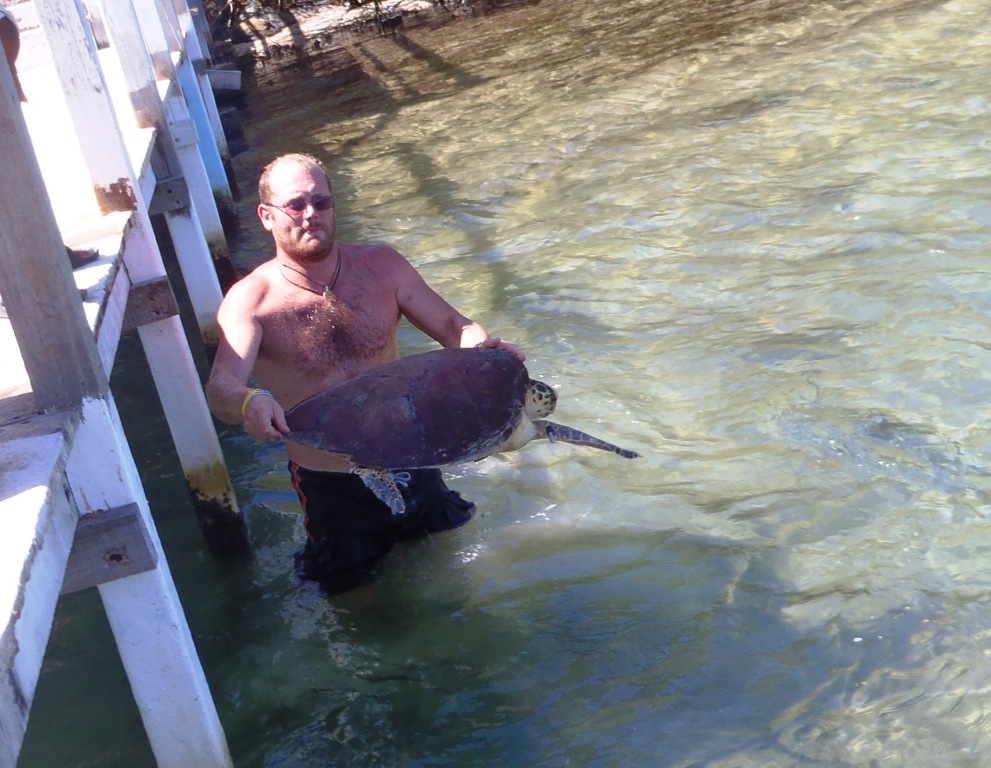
{"x":544,"y":397}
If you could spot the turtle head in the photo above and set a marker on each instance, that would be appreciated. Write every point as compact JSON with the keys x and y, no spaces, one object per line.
{"x":540,"y":399}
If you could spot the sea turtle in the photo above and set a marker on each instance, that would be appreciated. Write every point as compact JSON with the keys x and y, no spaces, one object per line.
{"x":432,"y":410}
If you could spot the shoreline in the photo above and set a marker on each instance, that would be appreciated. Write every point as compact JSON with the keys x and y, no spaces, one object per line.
{"x":271,"y":33}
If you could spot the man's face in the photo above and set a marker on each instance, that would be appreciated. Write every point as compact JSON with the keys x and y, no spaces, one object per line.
{"x":300,"y":213}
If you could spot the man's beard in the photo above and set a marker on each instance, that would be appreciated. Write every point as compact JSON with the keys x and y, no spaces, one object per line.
{"x":311,"y":251}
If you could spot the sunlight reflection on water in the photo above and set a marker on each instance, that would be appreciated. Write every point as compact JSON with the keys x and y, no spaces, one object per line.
{"x":756,"y":258}
{"x":744,"y":239}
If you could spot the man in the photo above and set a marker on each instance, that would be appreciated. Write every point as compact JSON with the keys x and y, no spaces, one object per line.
{"x":319,"y":313}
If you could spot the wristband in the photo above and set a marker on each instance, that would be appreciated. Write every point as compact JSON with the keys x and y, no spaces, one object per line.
{"x":252,"y":394}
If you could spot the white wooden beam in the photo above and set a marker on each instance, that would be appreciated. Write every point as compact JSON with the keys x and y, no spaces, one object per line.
{"x":186,"y":225}
{"x":145,"y":615}
{"x":37,"y":522}
{"x":203,"y":106}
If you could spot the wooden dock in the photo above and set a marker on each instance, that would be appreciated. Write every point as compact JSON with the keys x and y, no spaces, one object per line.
{"x":120,"y":126}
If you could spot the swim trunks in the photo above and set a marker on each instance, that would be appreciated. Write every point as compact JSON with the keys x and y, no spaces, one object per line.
{"x":349,"y":530}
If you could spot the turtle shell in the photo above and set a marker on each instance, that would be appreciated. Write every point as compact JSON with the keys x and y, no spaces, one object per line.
{"x":425,"y":410}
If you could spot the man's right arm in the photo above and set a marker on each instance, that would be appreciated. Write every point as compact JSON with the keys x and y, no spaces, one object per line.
{"x":227,"y":390}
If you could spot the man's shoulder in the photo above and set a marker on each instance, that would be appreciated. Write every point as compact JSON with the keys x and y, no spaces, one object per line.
{"x":260,"y":275}
{"x":253,"y":286}
{"x":378,"y":255}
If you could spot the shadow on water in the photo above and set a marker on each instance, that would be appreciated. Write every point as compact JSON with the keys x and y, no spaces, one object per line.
{"x":461,"y":76}
{"x":365,"y":82}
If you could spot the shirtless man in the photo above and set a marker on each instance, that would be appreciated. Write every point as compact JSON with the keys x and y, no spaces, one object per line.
{"x":316,"y":315}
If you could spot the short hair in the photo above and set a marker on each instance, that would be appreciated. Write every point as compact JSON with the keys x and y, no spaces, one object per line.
{"x":299,"y":158}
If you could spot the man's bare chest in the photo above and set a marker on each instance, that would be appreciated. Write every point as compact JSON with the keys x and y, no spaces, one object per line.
{"x":314,"y":337}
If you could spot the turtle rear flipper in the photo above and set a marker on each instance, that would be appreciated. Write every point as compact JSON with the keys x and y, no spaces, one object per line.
{"x":568,"y":434}
{"x":383,"y":485}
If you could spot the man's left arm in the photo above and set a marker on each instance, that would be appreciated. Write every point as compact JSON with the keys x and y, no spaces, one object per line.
{"x":428,"y":311}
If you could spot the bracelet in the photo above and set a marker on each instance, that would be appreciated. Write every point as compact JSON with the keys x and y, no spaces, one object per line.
{"x":252,"y":394}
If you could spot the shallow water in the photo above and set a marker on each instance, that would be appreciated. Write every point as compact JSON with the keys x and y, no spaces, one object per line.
{"x":744,"y":239}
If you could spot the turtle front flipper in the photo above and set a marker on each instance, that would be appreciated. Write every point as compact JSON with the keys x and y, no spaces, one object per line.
{"x":383,"y":485}
{"x":567,"y":434}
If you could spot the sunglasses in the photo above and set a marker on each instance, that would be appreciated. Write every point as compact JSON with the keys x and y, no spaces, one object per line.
{"x":298,"y":205}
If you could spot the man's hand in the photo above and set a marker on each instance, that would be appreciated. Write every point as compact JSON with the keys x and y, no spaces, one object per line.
{"x":494,"y":342}
{"x":265,"y":420}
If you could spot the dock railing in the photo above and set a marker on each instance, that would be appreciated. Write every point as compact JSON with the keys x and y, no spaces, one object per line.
{"x":115,"y":130}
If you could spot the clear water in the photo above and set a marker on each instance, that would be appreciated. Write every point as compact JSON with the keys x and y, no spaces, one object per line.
{"x":748,"y":240}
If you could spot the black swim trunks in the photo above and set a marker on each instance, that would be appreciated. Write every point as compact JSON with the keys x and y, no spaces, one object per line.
{"x":349,"y":530}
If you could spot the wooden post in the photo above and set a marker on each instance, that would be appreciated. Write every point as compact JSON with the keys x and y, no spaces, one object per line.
{"x":192,"y":69}
{"x":200,"y":56}
{"x":164,"y":34}
{"x":36,"y":281}
{"x":183,"y":219}
{"x":201,"y":22}
{"x":117,"y":187}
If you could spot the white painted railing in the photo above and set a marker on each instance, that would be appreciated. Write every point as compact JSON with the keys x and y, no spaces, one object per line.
{"x":110,"y":136}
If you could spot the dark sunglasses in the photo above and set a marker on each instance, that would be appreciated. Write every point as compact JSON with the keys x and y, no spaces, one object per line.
{"x":298,"y":205}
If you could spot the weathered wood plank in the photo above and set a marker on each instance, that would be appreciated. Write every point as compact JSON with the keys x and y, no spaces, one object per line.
{"x":224,"y":79}
{"x":150,"y":302}
{"x":109,"y":544}
{"x":36,"y":281}
{"x":74,"y":57}
{"x":37,"y":520}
